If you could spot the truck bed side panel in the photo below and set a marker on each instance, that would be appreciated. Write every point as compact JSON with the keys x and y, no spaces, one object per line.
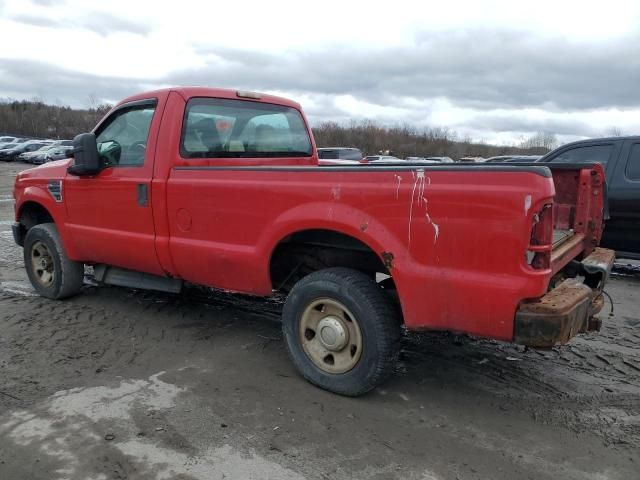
{"x":457,"y":237}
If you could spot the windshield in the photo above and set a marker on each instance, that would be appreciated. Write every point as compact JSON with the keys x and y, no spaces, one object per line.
{"x":218,"y":128}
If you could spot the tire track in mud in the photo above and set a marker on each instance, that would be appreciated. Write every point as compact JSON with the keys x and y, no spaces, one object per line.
{"x":577,"y":386}
{"x":593,"y":384}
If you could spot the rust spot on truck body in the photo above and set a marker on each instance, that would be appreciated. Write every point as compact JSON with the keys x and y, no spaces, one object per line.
{"x":387,"y":259}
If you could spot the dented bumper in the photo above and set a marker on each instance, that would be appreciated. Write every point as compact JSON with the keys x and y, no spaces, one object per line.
{"x":568,"y":309}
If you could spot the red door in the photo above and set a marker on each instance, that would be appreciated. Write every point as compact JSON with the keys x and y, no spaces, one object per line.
{"x":110,"y":215}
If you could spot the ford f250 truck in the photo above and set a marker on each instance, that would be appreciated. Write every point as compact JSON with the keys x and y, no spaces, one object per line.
{"x":223,"y":188}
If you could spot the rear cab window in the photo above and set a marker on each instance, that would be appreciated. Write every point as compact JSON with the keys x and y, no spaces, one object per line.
{"x":226,"y":128}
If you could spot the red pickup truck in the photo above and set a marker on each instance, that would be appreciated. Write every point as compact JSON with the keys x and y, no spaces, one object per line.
{"x":223,"y":188}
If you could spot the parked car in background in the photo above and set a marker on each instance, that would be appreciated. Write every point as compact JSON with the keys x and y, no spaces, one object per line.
{"x":30,"y":146}
{"x":620,"y":157}
{"x":339,"y":153}
{"x":57,"y":152}
{"x":513,"y":158}
{"x":383,"y":159}
{"x":28,"y":156}
{"x":65,"y":143}
{"x":420,"y":160}
{"x":440,"y":159}
{"x":407,"y":161}
{"x":473,"y":159}
{"x":7,"y":139}
{"x":7,"y":145}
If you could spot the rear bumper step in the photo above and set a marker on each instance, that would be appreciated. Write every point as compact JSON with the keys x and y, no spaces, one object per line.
{"x":566,"y":310}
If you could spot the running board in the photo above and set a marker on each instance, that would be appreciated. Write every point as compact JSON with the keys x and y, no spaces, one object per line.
{"x":129,"y":278}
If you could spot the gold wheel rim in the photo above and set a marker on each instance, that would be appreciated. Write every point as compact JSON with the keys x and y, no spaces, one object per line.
{"x":330,"y":336}
{"x":42,"y":263}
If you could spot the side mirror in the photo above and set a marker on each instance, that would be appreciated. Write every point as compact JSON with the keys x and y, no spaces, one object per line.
{"x":85,"y":152}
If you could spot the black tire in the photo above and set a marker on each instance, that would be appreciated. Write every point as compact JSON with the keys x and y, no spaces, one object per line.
{"x":67,"y":275}
{"x":375,"y":315}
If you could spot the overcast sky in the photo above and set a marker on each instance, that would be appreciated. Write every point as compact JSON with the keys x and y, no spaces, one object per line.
{"x":492,"y":70}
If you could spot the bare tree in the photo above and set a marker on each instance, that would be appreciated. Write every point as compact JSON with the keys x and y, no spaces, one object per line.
{"x":613,"y":132}
{"x":34,"y":118}
{"x":407,"y":140}
{"x":541,"y":142}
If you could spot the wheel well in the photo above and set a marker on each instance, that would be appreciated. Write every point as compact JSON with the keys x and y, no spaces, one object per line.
{"x":304,"y":252}
{"x":32,"y":214}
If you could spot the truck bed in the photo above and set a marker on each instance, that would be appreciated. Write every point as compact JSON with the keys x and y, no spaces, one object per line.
{"x":579,"y":210}
{"x":561,"y":236}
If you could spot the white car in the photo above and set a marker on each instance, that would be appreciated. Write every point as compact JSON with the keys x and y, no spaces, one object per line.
{"x":383,"y":159}
{"x":440,"y":159}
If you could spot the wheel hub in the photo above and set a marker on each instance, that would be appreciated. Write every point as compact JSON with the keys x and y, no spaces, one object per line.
{"x":42,"y":264}
{"x":333,"y":334}
{"x":330,"y":335}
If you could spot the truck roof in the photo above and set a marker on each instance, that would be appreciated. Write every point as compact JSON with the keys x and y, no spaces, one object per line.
{"x":189,"y":92}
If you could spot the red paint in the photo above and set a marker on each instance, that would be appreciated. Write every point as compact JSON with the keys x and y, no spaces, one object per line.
{"x":458,"y":238}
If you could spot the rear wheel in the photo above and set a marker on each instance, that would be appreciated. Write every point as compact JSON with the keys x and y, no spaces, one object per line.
{"x":342,"y":331}
{"x":49,"y":269}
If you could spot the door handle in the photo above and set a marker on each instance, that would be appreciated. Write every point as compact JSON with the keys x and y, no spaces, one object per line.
{"x":143,"y":195}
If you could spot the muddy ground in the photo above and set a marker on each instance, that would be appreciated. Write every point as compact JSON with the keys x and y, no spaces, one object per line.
{"x":124,"y":384}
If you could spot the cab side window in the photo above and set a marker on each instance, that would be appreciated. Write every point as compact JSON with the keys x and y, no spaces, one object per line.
{"x":122,"y":140}
{"x":588,"y":154}
{"x":633,"y":164}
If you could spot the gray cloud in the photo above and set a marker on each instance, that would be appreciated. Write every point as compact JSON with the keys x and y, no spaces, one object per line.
{"x":27,"y":79}
{"x":36,"y":20}
{"x":480,"y":70}
{"x":515,"y":122}
{"x":100,"y":23}
{"x":104,"y":24}
{"x":477,"y":69}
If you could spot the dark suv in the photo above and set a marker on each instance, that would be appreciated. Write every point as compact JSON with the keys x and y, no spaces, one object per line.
{"x":620,"y":157}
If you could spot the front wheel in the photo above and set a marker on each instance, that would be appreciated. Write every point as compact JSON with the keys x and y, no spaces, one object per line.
{"x":50,"y":271}
{"x":342,"y":331}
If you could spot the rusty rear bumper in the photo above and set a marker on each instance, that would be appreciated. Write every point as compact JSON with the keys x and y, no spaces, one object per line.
{"x":568,"y":309}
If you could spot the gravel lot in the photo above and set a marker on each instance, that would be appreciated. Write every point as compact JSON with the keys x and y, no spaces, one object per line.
{"x":125,"y":384}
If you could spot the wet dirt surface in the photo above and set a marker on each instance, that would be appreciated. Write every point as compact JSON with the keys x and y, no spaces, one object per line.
{"x":125,"y":384}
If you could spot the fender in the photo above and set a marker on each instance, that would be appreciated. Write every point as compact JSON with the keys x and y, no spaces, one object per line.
{"x":340,"y":218}
{"x":39,"y":195}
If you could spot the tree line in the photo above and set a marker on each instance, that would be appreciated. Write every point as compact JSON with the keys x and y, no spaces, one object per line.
{"x":406,"y":140}
{"x":34,"y":118}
